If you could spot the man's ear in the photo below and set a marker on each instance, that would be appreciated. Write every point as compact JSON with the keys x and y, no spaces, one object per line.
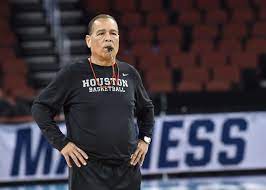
{"x":88,"y":40}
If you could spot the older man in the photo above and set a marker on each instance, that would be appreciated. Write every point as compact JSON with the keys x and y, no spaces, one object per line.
{"x":100,"y":97}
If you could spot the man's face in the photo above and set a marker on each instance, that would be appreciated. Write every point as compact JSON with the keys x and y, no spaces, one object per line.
{"x":104,"y":34}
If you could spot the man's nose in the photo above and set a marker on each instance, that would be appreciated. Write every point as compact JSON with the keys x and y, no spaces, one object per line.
{"x":108,"y":37}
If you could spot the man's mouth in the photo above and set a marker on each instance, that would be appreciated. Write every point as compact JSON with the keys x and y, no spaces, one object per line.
{"x":109,"y":48}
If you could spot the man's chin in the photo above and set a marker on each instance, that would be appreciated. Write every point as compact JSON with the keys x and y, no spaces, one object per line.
{"x":108,"y":56}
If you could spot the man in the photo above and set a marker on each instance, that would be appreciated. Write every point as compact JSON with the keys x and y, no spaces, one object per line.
{"x":100,"y":97}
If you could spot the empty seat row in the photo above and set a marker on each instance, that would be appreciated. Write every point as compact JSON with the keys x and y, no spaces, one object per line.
{"x":173,"y":33}
{"x":150,"y":62}
{"x":225,"y":47}
{"x":155,"y":5}
{"x":222,"y":78}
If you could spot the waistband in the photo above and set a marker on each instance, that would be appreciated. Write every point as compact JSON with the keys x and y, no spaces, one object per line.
{"x":109,"y":161}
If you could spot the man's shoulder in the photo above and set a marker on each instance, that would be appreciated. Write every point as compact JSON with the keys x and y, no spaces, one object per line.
{"x":126,"y":66}
{"x":129,"y":69}
{"x":74,"y":65}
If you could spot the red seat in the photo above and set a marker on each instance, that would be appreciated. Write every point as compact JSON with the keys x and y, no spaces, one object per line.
{"x":259,"y":29}
{"x":13,"y":81}
{"x":229,"y":73}
{"x":234,"y":31}
{"x":205,"y":32}
{"x":243,"y":16}
{"x":229,"y":46}
{"x":183,"y":60}
{"x":213,"y":59}
{"x":123,"y":37}
{"x":236,"y":4}
{"x":4,"y":24}
{"x":218,"y":86}
{"x":130,"y":59}
{"x":223,"y":78}
{"x":25,"y":92}
{"x":4,"y":9}
{"x":244,"y":60}
{"x":97,"y":6}
{"x":151,"y":62}
{"x":190,"y":17}
{"x":131,"y":19}
{"x":216,"y":17}
{"x":160,"y":86}
{"x":7,"y":54}
{"x":150,"y":5}
{"x":157,"y":19}
{"x":141,"y":34}
{"x":181,"y":5}
{"x":125,"y":6}
{"x":262,"y":13}
{"x":199,"y":74}
{"x":169,"y":48}
{"x":169,"y":34}
{"x":208,"y":4}
{"x":202,"y":46}
{"x":158,"y":73}
{"x":256,"y":45}
{"x":190,"y":86}
{"x":159,"y":80}
{"x":7,"y":39}
{"x":260,"y":3}
{"x":140,"y":49}
{"x":14,"y":65}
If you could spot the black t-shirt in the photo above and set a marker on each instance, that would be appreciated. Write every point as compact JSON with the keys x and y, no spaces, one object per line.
{"x":5,"y":108}
{"x":99,"y":114}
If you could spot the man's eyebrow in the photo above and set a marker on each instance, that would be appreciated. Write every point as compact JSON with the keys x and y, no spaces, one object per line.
{"x":101,"y":30}
{"x":104,"y":30}
{"x":113,"y":30}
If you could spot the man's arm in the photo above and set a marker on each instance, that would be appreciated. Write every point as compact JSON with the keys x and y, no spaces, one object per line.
{"x":44,"y":109}
{"x":145,"y":120}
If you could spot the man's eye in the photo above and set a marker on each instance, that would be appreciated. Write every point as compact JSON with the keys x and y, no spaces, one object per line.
{"x":99,"y":34}
{"x":113,"y":33}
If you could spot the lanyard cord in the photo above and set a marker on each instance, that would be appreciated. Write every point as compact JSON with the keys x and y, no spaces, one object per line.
{"x":115,"y":76}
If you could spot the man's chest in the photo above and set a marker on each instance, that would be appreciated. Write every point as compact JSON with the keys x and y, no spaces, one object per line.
{"x":103,"y":89}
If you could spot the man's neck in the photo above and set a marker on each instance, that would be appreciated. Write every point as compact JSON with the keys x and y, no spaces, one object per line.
{"x":102,"y":62}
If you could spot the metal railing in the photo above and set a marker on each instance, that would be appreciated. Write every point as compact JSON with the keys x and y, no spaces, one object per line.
{"x":62,"y":42}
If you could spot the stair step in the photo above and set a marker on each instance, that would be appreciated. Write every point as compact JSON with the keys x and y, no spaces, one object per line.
{"x":79,"y":57}
{"x":69,"y":5}
{"x":29,"y":19}
{"x":27,"y":7}
{"x":71,"y":14}
{"x":44,"y":67}
{"x":37,"y":45}
{"x":75,"y":29}
{"x":37,"y":42}
{"x":69,"y":1}
{"x":23,"y":23}
{"x":41,"y":60}
{"x":44,"y":75}
{"x":32,"y":30}
{"x":28,"y":38}
{"x":29,"y":16}
{"x":39,"y":52}
{"x":78,"y":43}
{"x":36,"y":33}
{"x":25,"y":1}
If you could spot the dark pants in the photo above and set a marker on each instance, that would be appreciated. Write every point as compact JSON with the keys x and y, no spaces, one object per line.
{"x":97,"y":175}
